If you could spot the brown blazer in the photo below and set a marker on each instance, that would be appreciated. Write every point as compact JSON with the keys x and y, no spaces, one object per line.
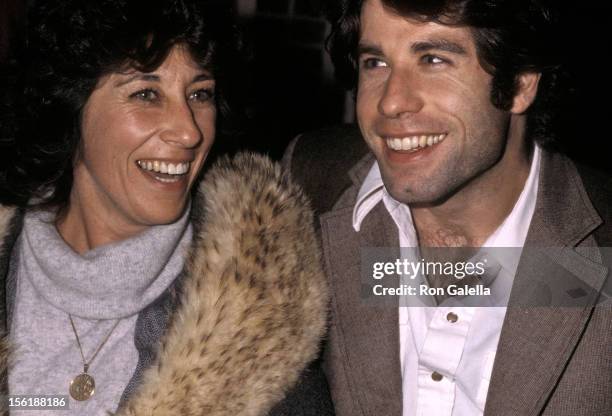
{"x":550,"y":361}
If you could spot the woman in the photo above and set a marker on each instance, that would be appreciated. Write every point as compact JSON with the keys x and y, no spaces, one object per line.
{"x":126,"y":291}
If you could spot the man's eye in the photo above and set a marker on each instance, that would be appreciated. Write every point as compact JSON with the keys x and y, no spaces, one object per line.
{"x":433,"y":60}
{"x":202,"y":95}
{"x":145,"y":95}
{"x":371,"y":63}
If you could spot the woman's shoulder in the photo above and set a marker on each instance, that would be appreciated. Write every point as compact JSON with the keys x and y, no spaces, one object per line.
{"x":11,"y":220}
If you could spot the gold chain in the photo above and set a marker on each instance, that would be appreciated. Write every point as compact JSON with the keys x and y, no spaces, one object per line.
{"x":87,"y":363}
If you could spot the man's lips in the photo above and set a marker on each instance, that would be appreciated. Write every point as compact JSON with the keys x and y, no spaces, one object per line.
{"x":413,"y":142}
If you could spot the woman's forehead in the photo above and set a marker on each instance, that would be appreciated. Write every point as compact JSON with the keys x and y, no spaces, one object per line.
{"x":178,"y":64}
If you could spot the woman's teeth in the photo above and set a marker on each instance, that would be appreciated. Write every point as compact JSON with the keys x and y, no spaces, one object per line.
{"x":163,"y":167}
{"x":414,"y":142}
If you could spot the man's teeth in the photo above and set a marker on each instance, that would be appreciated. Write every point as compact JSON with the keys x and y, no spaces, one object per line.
{"x":163,"y":167}
{"x":414,"y":142}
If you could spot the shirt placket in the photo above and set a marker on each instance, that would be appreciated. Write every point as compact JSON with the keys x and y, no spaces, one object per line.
{"x":439,"y":359}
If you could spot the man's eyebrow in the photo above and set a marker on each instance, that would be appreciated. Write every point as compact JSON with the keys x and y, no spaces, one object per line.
{"x":438,"y":44}
{"x":138,"y":77}
{"x":422,"y":46}
{"x":368,"y":48}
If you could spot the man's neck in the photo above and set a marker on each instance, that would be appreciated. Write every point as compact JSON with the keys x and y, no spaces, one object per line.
{"x":472,"y":214}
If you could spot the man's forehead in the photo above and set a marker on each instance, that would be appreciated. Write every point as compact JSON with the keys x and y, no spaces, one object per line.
{"x":380,"y":24}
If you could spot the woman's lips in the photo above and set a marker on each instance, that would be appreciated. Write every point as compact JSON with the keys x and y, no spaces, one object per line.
{"x":161,"y":166}
{"x":163,"y":171}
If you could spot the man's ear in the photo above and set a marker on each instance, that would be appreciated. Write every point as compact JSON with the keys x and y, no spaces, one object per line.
{"x":526,"y":93}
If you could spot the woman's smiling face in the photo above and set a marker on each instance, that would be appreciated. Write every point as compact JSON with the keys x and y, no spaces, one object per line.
{"x":144,"y":139}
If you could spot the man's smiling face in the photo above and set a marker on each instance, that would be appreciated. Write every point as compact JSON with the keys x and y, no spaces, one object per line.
{"x":424,"y":105}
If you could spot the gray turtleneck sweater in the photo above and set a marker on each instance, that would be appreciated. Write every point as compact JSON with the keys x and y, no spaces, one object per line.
{"x":106,"y":284}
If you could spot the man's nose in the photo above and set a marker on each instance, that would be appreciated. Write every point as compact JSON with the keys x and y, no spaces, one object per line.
{"x":181,"y":126}
{"x":401,"y":96}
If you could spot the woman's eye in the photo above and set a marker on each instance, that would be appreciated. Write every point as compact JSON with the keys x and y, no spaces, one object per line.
{"x":371,"y":63}
{"x":202,"y":95}
{"x":145,"y":95}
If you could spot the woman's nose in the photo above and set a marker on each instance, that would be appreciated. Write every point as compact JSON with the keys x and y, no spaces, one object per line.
{"x":182,"y":128}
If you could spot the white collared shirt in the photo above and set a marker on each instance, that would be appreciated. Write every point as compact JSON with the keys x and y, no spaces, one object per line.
{"x":462,"y":352}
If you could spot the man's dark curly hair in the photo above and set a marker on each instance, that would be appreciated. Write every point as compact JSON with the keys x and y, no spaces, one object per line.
{"x":511,"y":37}
{"x":70,"y":45}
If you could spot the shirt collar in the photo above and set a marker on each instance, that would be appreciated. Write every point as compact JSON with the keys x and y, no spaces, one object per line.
{"x":370,"y":194}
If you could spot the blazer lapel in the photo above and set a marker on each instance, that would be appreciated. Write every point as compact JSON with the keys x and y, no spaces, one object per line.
{"x":537,"y":342}
{"x":368,"y":332}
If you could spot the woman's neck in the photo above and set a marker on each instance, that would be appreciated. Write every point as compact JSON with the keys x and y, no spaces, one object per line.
{"x":84,"y":228}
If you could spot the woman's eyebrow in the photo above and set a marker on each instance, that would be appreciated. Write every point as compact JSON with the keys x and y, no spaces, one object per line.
{"x":138,"y":77}
{"x":204,"y":76}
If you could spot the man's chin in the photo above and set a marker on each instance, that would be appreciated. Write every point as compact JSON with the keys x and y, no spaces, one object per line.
{"x":406,"y":193}
{"x":416,"y":194}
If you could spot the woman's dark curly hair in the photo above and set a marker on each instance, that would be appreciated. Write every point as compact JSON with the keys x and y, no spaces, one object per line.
{"x":70,"y":45}
{"x":511,"y":37}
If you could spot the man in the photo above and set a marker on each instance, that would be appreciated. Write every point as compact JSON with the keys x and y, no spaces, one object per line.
{"x":453,"y":101}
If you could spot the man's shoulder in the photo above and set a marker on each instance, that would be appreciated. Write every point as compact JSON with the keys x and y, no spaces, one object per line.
{"x":321,"y":160}
{"x":597,"y":182}
{"x":598,"y":186}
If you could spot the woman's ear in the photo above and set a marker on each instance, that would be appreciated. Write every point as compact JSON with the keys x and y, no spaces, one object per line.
{"x":526,"y":93}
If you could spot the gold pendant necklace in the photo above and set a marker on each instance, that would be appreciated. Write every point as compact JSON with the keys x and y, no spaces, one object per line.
{"x":83,"y":386}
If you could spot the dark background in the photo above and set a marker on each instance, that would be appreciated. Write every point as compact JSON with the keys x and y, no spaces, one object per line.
{"x":293,"y":88}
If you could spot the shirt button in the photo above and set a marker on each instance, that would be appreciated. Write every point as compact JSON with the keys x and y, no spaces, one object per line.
{"x":435,"y":376}
{"x":452,"y":317}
